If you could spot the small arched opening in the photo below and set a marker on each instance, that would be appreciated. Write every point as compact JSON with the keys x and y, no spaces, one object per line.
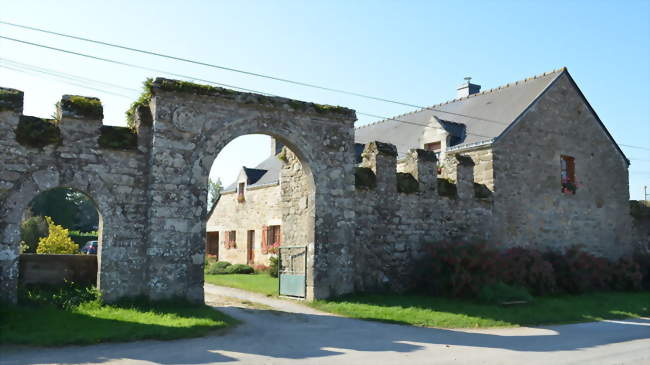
{"x":60,"y":240}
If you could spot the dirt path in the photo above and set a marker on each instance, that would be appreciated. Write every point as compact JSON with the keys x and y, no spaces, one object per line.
{"x":276,"y":331}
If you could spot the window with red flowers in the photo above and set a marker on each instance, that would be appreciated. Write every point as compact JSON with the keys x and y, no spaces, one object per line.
{"x":567,"y":174}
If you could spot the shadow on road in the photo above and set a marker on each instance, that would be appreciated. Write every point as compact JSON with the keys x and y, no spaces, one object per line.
{"x":283,"y":335}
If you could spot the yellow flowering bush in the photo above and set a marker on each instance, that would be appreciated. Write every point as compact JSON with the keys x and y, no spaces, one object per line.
{"x":58,"y":241}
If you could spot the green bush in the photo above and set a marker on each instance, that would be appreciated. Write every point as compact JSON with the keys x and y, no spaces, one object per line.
{"x":31,"y":231}
{"x":274,"y":267}
{"x":65,"y":297}
{"x":499,"y":292}
{"x":239,"y":269}
{"x":219,"y":267}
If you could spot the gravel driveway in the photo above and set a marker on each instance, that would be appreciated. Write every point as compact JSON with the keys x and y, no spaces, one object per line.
{"x":283,"y":332}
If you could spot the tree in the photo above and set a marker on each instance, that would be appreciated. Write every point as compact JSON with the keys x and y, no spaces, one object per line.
{"x":67,"y":207}
{"x":214,"y":191}
{"x":31,"y":231}
{"x":57,"y":242}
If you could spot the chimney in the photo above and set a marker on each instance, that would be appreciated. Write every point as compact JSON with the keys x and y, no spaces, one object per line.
{"x":276,"y":146}
{"x":468,"y":88}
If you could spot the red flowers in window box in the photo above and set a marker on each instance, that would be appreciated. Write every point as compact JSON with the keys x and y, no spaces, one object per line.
{"x":569,"y":187}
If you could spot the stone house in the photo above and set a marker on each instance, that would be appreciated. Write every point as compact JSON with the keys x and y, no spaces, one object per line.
{"x":544,"y":168}
{"x":246,"y":220}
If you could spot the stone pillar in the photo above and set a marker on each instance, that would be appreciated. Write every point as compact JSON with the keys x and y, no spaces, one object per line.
{"x":11,"y":108}
{"x":382,"y":159}
{"x":424,"y":167}
{"x":80,"y":119}
{"x":143,"y":124}
{"x":465,"y":177}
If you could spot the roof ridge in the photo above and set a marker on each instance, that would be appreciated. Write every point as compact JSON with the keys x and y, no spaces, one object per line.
{"x":432,"y":107}
{"x":509,"y":84}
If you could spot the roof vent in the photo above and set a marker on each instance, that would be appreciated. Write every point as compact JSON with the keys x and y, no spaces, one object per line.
{"x":468,"y":88}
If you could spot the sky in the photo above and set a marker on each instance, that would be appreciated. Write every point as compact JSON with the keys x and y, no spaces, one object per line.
{"x":415,"y":52}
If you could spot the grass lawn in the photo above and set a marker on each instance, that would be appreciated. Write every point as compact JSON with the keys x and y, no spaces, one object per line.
{"x":452,"y":313}
{"x":92,"y":322}
{"x":259,"y":283}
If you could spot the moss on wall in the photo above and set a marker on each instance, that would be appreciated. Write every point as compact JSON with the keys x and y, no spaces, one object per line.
{"x":37,"y":132}
{"x":364,"y":178}
{"x":481,"y":191}
{"x":117,"y":138}
{"x":83,"y":106}
{"x":406,"y":183}
{"x":248,"y":98}
{"x":446,"y":188}
{"x":11,"y":100}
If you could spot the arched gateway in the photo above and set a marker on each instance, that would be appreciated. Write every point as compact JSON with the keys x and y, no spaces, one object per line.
{"x":151,"y":188}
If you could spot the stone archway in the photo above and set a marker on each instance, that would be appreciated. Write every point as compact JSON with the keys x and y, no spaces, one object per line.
{"x":150,"y":188}
{"x":191,"y":124}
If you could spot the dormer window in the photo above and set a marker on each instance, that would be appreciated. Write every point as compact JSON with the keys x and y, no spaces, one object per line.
{"x":240,"y":192}
{"x":435,"y":147}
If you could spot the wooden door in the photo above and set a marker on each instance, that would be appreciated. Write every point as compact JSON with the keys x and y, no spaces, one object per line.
{"x":250,"y":248}
{"x":212,"y":244}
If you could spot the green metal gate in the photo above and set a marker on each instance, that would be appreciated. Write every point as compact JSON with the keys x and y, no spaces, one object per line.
{"x":292,"y":271}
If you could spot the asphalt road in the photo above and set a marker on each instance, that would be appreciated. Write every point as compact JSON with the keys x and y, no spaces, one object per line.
{"x":281,"y":332}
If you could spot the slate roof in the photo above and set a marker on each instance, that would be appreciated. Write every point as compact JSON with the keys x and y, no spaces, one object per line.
{"x":485,"y":115}
{"x":265,"y":173}
{"x":473,"y":119}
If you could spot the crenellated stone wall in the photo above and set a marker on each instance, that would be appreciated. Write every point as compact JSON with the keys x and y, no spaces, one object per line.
{"x":115,"y":179}
{"x":394,"y":224}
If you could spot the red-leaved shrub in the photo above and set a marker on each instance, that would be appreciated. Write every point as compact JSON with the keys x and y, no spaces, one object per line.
{"x":464,"y":269}
{"x":626,"y":275}
{"x":577,"y":271}
{"x":642,"y":258}
{"x":526,"y":267}
{"x":461,"y":269}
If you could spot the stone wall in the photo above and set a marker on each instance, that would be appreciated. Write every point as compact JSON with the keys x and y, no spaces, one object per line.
{"x":260,"y":208}
{"x":56,"y":269}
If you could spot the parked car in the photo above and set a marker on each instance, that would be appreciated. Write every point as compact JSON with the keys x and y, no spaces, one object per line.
{"x":90,"y":248}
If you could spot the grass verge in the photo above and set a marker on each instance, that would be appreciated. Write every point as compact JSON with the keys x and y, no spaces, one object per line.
{"x":453,"y":313}
{"x":259,"y":283}
{"x":93,"y":322}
